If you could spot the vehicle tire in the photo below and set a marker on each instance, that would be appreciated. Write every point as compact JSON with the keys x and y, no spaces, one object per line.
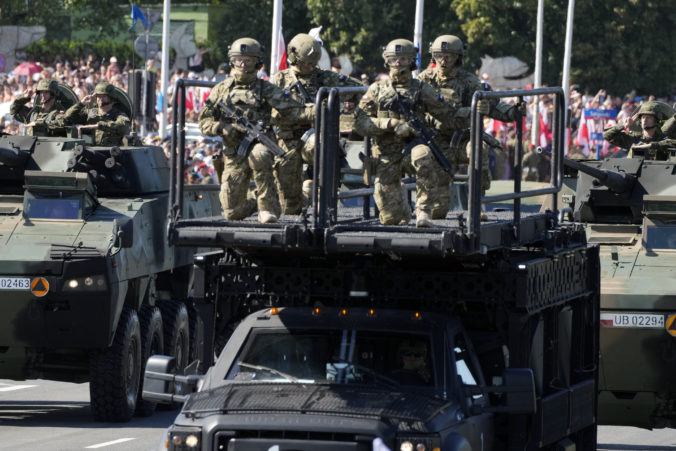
{"x":116,"y":372}
{"x":176,"y":337}
{"x":152,"y":343}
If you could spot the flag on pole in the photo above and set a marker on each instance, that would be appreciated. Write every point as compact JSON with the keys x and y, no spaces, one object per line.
{"x":137,"y":14}
{"x":281,"y":50}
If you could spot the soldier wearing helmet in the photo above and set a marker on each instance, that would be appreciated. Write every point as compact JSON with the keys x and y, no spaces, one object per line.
{"x":105,"y":121}
{"x":41,"y":118}
{"x":651,"y":142}
{"x":380,"y":117}
{"x":457,"y":86}
{"x":303,"y":53}
{"x":259,"y":101}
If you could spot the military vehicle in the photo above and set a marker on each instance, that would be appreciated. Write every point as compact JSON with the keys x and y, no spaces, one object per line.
{"x":89,"y":286}
{"x":346,"y":334}
{"x":629,"y":208}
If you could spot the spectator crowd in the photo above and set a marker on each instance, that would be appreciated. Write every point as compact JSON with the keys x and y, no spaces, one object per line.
{"x":583,"y":136}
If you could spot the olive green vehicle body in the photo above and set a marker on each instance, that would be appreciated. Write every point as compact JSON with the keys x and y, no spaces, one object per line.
{"x":85,"y":227}
{"x":634,"y":227}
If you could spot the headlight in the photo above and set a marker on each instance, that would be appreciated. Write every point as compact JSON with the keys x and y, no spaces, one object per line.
{"x":184,"y":438}
{"x":421,"y":443}
{"x":89,"y":283}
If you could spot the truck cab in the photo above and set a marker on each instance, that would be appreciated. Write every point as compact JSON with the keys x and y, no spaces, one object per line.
{"x":316,"y":378}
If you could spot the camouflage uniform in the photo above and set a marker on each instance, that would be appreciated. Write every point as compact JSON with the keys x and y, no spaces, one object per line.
{"x":661,"y":145}
{"x":111,"y":127}
{"x":288,"y":172}
{"x":374,"y":118}
{"x":458,"y":86}
{"x":530,"y":166}
{"x":256,"y":98}
{"x":669,"y":127}
{"x":45,"y":122}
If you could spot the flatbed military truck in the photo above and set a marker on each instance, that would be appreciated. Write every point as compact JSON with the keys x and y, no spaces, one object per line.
{"x":89,"y":287}
{"x":343,"y":334}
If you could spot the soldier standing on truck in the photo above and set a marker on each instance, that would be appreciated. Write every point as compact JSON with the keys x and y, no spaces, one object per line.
{"x":651,"y":142}
{"x":255,"y":98}
{"x":458,"y":86}
{"x":304,"y":79}
{"x":107,"y":120}
{"x":41,"y":118}
{"x":379,"y":116}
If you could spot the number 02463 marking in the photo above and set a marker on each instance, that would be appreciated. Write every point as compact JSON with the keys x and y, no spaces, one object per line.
{"x":15,"y":283}
{"x":638,"y":320}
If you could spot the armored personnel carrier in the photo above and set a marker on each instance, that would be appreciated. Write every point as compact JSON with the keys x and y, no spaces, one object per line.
{"x":629,"y":208}
{"x":343,"y":334}
{"x":89,"y":286}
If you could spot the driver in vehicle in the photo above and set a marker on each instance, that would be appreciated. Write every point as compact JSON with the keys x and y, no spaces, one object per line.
{"x":412,"y":358}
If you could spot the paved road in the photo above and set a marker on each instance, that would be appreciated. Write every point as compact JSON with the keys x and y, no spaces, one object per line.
{"x":44,"y":415}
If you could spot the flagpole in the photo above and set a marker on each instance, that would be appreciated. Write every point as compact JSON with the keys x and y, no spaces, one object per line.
{"x":417,"y":32}
{"x":537,"y":82}
{"x":164,"y":82}
{"x":276,"y":27}
{"x":566,"y":63}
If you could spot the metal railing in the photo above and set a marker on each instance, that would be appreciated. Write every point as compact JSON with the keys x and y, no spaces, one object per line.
{"x":476,"y":157}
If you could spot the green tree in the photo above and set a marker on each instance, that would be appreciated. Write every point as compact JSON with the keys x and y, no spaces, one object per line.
{"x":253,"y":18}
{"x":361,"y":29}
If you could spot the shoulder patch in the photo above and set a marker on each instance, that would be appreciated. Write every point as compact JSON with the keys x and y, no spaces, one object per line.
{"x":287,"y":92}
{"x":342,"y":77}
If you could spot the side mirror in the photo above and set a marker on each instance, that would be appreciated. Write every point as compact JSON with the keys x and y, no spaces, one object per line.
{"x":161,"y":384}
{"x":157,"y":379}
{"x":519,"y":385}
{"x":123,"y":230}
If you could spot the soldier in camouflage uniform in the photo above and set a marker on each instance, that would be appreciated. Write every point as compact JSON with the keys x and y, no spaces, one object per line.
{"x":107,"y":120}
{"x":303,"y":53}
{"x":458,"y":86}
{"x":256,"y":98}
{"x":651,"y":142}
{"x":41,"y":118}
{"x":669,"y":127}
{"x":378,"y":116}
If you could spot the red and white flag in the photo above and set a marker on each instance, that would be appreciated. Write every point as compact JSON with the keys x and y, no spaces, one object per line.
{"x":281,"y":51}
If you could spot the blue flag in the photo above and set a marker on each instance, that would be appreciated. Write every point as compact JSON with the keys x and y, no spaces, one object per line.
{"x":137,"y":14}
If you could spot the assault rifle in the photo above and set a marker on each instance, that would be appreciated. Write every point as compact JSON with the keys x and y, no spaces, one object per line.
{"x":423,"y":134}
{"x":254,"y":132}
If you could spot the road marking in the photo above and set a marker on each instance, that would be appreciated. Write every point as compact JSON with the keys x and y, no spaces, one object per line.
{"x":114,"y":442}
{"x":15,"y":387}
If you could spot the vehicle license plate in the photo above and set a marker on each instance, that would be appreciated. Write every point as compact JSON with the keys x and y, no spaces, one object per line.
{"x":15,"y":283}
{"x":637,"y":320}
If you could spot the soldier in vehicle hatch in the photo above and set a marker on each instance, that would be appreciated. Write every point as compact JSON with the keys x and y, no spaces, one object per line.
{"x":41,"y":118}
{"x":379,"y":116}
{"x":106,"y":121}
{"x":259,"y":101}
{"x":651,"y":142}
{"x":303,"y":53}
{"x":458,"y":86}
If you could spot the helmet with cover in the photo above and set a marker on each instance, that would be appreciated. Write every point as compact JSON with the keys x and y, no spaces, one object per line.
{"x":304,"y":49}
{"x":660,"y":110}
{"x":104,"y":89}
{"x":401,"y":47}
{"x":50,"y":85}
{"x":449,"y":44}
{"x":247,"y":47}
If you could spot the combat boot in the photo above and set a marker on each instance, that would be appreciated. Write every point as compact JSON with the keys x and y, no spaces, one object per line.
{"x":265,"y":217}
{"x":423,"y":219}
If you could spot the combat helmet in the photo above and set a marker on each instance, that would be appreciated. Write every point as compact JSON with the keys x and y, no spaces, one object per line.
{"x":50,"y":85}
{"x":247,"y":47}
{"x":660,"y":110}
{"x":448,"y":43}
{"x":104,"y":88}
{"x":303,"y":48}
{"x":400,"y":47}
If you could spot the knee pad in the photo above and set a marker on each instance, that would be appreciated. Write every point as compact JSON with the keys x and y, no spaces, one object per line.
{"x":260,"y":158}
